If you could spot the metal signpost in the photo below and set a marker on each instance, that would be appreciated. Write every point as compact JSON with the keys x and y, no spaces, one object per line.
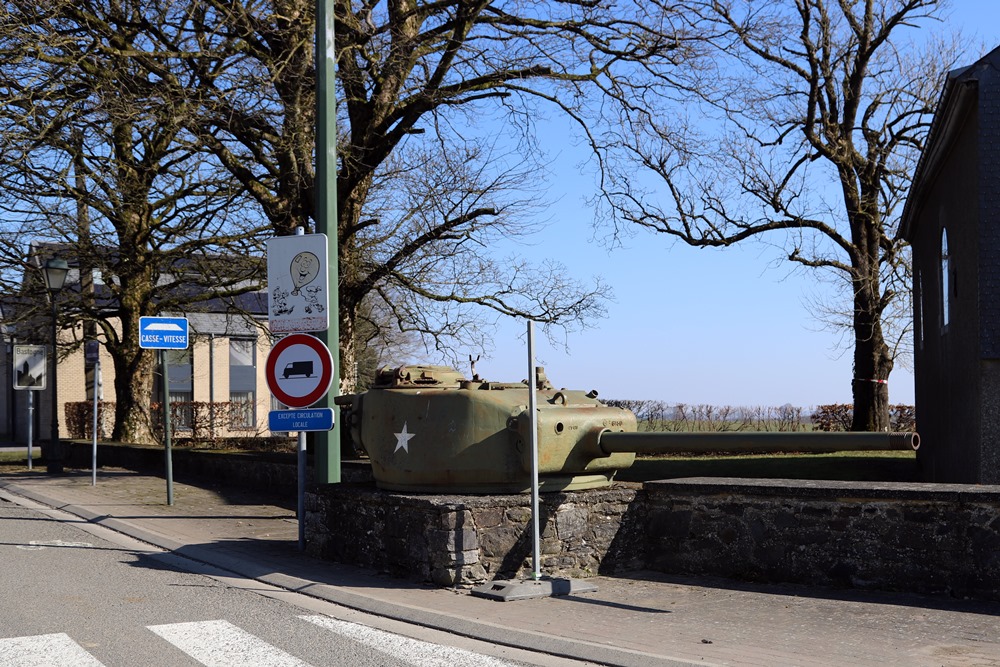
{"x":92,"y":356}
{"x":533,"y":411}
{"x":300,"y":368}
{"x":165,"y":333}
{"x":299,"y":372}
{"x":29,"y":373}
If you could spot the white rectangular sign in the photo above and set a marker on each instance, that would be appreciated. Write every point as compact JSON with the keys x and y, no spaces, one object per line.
{"x":298,"y":299}
{"x":29,"y":366}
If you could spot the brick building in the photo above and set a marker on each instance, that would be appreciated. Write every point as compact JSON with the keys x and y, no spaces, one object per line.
{"x":222,"y":368}
{"x":952,"y":220}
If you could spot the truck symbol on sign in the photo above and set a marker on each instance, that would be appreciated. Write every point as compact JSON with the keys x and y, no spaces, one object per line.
{"x":298,"y":368}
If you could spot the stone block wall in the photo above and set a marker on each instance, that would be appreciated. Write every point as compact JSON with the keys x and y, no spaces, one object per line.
{"x":922,"y":538}
{"x":271,"y":473}
{"x":466,"y":540}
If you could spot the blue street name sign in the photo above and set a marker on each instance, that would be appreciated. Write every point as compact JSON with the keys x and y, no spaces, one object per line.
{"x":312,"y":419}
{"x":163,"y":333}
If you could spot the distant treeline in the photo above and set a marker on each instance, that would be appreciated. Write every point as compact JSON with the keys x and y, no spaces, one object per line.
{"x":662,"y":416}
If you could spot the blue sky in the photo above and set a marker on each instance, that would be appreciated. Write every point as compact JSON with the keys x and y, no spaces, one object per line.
{"x":696,"y":326}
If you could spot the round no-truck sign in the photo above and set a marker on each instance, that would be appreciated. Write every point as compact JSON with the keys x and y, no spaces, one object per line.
{"x":299,"y":370}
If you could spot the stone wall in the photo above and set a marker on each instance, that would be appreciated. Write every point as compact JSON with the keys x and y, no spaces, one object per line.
{"x":922,"y":538}
{"x":466,"y":540}
{"x":272,"y":473}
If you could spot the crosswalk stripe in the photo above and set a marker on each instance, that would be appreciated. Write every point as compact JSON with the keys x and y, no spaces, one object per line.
{"x":54,"y":650}
{"x":412,"y":651}
{"x":222,"y":644}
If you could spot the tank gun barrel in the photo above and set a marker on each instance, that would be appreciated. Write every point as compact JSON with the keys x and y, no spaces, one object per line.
{"x":666,"y":442}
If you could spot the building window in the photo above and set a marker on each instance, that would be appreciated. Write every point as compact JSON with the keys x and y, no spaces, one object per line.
{"x":945,"y":280}
{"x":242,"y":383}
{"x":918,"y":304}
{"x":183,"y":414}
{"x":181,"y":363}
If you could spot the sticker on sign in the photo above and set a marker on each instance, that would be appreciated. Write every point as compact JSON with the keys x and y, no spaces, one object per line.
{"x":297,"y":283}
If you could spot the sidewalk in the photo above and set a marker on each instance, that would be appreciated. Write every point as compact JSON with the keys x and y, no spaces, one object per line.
{"x":648,"y":619}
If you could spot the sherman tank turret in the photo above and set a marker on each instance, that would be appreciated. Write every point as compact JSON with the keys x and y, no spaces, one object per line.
{"x":429,"y":429}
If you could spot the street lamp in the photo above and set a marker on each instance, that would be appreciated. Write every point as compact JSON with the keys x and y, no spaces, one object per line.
{"x":55,"y":271}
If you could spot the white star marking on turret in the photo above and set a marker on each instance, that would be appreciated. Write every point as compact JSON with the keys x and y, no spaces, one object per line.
{"x":403,"y":440}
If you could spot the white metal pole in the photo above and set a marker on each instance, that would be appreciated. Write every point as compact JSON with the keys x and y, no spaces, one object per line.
{"x":301,"y":460}
{"x":533,"y":412}
{"x":93,"y":449}
{"x":301,"y":495}
{"x":31,"y":421}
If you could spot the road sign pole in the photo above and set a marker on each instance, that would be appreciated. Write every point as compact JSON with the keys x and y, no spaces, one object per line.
{"x":93,"y":449}
{"x":327,"y":454}
{"x":31,"y":421}
{"x":165,"y":333}
{"x":301,"y":503}
{"x":164,"y":366}
{"x":533,"y":412}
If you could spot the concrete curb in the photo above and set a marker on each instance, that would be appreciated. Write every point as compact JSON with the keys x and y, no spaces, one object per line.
{"x":245,"y":566}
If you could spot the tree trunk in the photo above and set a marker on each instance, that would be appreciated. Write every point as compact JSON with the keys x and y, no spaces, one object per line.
{"x":872,"y":364}
{"x":353,"y":286}
{"x":348,"y":354}
{"x":133,"y":365}
{"x":133,"y":394}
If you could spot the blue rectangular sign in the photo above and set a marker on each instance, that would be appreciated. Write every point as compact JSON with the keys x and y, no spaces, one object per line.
{"x":311,"y":419}
{"x":163,"y":333}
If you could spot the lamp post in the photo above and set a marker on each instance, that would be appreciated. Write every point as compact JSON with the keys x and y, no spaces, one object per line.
{"x":55,"y":271}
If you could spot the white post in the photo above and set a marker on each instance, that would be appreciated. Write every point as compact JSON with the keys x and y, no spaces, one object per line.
{"x":31,"y":421}
{"x":533,"y":412}
{"x":300,"y":496}
{"x":300,"y":504}
{"x":97,"y":396}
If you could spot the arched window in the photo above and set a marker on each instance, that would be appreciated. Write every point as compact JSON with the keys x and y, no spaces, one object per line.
{"x":945,"y":280}
{"x":918,"y":306}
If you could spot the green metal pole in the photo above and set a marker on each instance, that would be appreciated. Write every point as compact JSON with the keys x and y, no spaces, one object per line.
{"x":327,"y":443}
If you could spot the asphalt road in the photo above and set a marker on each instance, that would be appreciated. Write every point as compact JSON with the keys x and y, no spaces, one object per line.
{"x":77,"y":594}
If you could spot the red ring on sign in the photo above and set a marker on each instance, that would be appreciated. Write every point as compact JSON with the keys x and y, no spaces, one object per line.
{"x":325,"y":376}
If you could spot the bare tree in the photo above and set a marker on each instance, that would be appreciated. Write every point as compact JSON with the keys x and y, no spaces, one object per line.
{"x":799,"y":127}
{"x":96,"y":163}
{"x":437,"y":156}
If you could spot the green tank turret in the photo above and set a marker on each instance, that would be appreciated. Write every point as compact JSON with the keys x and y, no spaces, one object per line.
{"x":429,"y":429}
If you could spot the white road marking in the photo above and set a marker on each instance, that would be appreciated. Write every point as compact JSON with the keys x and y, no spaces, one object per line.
{"x":35,"y":545}
{"x":412,"y":651}
{"x":55,"y":650}
{"x":222,"y":644}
